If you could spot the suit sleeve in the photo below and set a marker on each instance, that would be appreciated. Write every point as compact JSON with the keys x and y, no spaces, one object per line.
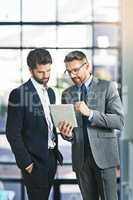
{"x":14,"y":128}
{"x":113,"y":118}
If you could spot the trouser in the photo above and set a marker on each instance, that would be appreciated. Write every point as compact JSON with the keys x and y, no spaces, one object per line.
{"x":96,"y":183}
{"x":42,"y":192}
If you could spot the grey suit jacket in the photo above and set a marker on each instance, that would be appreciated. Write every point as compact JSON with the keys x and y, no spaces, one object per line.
{"x":103,"y":99}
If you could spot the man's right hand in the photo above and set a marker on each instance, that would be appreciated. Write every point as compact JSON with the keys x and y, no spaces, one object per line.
{"x":29,"y":168}
{"x":65,"y":128}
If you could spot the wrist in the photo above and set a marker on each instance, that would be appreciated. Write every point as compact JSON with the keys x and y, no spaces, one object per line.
{"x":87,"y":114}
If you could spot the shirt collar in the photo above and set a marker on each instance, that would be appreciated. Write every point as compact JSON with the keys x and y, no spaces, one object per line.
{"x":87,"y":82}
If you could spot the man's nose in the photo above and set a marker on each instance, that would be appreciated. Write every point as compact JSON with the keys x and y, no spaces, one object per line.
{"x":45,"y":74}
{"x":72,"y":75}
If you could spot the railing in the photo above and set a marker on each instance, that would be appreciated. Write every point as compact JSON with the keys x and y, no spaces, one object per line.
{"x":56,"y":187}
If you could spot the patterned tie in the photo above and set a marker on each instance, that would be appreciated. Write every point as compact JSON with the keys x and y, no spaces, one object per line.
{"x":83,"y":92}
{"x":85,"y":121}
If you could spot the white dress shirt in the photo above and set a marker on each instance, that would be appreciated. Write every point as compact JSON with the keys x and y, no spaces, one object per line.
{"x":43,"y":94}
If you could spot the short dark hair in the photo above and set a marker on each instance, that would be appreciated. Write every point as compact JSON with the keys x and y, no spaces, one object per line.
{"x":38,"y":56}
{"x":75,"y":55}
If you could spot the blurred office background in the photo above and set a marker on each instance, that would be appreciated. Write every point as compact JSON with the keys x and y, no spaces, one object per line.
{"x":98,"y":28}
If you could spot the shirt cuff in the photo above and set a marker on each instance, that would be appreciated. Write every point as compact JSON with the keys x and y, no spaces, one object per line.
{"x":90,"y":118}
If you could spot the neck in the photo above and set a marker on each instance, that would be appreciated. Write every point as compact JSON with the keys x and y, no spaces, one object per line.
{"x":87,"y":77}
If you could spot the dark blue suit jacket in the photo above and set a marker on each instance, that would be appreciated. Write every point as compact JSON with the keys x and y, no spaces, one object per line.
{"x":26,"y":128}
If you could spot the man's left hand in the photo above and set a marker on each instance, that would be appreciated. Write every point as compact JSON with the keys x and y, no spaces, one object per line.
{"x":82,"y":108}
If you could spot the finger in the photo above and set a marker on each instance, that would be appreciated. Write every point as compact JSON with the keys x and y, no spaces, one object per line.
{"x":66,"y":124}
{"x":76,"y":106}
{"x":71,"y":128}
{"x":68,"y":129}
{"x":61,"y":125}
{"x":65,"y":127}
{"x":30,"y":169}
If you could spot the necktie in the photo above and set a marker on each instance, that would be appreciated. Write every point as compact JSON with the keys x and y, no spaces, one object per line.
{"x":83,"y":92}
{"x":85,"y":121}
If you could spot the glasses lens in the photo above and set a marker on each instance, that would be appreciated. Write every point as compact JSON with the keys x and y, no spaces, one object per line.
{"x":74,"y":71}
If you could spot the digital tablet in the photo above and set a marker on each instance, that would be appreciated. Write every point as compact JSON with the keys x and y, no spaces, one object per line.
{"x":63,"y":112}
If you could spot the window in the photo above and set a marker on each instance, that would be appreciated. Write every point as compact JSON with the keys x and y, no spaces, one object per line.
{"x":92,"y":26}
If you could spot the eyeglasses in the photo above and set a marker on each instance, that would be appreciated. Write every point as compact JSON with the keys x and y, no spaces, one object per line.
{"x":74,"y":71}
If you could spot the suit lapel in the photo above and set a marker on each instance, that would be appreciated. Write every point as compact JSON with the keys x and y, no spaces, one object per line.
{"x":35,"y":100}
{"x":92,"y":90}
{"x":51,"y":96}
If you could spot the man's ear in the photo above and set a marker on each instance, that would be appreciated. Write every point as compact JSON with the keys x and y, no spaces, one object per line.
{"x":30,"y":70}
{"x":89,"y":67}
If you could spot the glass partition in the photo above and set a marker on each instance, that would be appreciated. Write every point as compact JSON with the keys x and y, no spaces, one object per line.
{"x":61,"y":26}
{"x":10,"y":11}
{"x":38,"y":11}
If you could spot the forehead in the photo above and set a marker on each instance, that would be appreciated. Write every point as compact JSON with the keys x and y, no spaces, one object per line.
{"x":43,"y":67}
{"x":73,"y":64}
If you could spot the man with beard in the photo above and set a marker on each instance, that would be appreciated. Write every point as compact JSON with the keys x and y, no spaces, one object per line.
{"x":30,"y":130}
{"x":94,"y":142}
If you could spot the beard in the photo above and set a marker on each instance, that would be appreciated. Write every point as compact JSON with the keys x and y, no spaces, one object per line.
{"x":41,"y":81}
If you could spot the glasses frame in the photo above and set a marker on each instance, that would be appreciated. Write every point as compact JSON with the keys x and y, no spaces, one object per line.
{"x":76,"y":70}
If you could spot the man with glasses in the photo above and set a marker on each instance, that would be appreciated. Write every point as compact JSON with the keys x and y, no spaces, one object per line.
{"x":94,"y":143}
